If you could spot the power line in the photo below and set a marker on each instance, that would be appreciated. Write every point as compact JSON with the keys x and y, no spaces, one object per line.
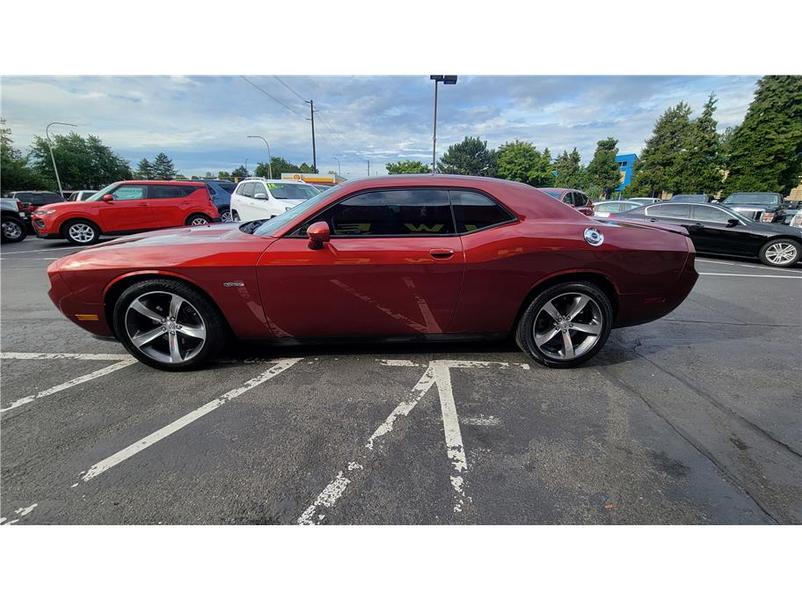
{"x":286,"y":85}
{"x":271,"y":96}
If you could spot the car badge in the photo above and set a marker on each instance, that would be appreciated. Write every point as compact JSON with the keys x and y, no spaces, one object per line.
{"x":594,"y":237}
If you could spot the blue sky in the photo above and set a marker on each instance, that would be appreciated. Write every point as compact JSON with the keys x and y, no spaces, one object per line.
{"x":203,"y":122}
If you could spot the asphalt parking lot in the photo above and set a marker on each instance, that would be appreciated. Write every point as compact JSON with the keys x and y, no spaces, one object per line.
{"x":696,"y":418}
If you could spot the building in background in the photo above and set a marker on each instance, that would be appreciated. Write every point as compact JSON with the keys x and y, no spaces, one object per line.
{"x":625,"y":164}
{"x":314,"y":178}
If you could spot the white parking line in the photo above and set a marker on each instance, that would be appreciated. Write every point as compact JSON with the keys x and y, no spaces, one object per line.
{"x":71,"y":383}
{"x":454,"y":448}
{"x":798,"y":277}
{"x":745,"y":265}
{"x":55,"y":355}
{"x":137,"y":447}
{"x":20,"y":512}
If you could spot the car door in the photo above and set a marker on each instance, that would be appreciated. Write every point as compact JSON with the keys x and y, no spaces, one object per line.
{"x":715,"y":235}
{"x":252,"y":207}
{"x":127,"y":211}
{"x":393,"y":267}
{"x":166,"y":205}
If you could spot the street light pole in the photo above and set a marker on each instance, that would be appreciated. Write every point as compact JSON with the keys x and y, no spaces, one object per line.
{"x":339,"y":167}
{"x":52,"y":157}
{"x":447,"y":80}
{"x":269,"y":158}
{"x":368,"y":168}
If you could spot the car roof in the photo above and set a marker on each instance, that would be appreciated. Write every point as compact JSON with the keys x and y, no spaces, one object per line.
{"x":161,"y":182}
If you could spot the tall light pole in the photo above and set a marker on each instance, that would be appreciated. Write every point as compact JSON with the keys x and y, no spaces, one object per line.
{"x":447,"y":80}
{"x":269,"y":158}
{"x":311,"y":104}
{"x":368,"y":168}
{"x":52,"y":157}
{"x":339,"y":167}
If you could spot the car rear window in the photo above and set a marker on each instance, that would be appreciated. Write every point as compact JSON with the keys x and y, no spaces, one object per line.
{"x":41,"y":198}
{"x":227,"y":186}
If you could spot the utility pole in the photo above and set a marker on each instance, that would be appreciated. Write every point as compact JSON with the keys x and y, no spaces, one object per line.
{"x":339,"y":166}
{"x":52,"y":157}
{"x":368,"y":168}
{"x":311,"y":104}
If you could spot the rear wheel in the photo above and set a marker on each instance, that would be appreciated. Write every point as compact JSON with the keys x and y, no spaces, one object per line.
{"x":198,"y":220}
{"x":780,"y":253}
{"x":81,"y":233}
{"x":565,"y":325}
{"x":13,"y":230}
{"x":169,"y":325}
{"x":225,"y":215}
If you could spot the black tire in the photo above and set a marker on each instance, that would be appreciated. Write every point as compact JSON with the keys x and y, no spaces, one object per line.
{"x":790,"y":245}
{"x":196,"y":311}
{"x":597,"y":315}
{"x":81,"y":232}
{"x":235,"y":216}
{"x":13,"y":230}
{"x":225,"y":214}
{"x":194,"y":220}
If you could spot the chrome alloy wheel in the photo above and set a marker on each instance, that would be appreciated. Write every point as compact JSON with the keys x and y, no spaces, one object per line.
{"x":225,"y":216}
{"x":81,"y":232}
{"x":165,"y":327}
{"x":781,"y":253}
{"x":12,"y":230}
{"x":568,"y":326}
{"x":197,"y":221}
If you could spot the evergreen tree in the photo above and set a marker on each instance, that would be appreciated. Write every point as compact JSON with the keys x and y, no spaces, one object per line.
{"x":144,"y":170}
{"x":661,"y":162}
{"x":568,"y":168}
{"x":702,"y":164}
{"x":603,"y":175}
{"x":468,"y":157}
{"x":765,"y":151}
{"x":240,"y":172}
{"x":520,"y":161}
{"x":163,"y":167}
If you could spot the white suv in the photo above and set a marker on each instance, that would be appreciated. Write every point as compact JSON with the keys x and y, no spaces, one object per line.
{"x":259,"y":198}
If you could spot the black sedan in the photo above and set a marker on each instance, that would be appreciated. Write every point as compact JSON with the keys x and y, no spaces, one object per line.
{"x":720,"y":230}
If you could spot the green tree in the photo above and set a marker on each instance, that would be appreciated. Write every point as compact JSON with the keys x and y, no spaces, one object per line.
{"x":144,"y":170}
{"x":240,"y":172}
{"x":83,"y":163}
{"x":407,"y":166}
{"x":765,"y":151}
{"x":468,"y":157}
{"x":603,"y":175}
{"x":702,"y":165}
{"x":15,"y":172}
{"x":660,"y":164}
{"x":223,"y":175}
{"x":568,"y":168}
{"x":163,"y":167}
{"x":520,"y":161}
{"x":305,"y":168}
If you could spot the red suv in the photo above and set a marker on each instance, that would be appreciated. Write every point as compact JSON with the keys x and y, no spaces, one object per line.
{"x":127,"y":207}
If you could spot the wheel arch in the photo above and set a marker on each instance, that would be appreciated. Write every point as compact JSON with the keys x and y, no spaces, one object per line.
{"x":119,"y":284}
{"x":61,"y":224}
{"x":598,"y":279}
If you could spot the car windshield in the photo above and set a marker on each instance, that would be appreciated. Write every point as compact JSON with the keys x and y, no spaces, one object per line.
{"x":291,"y":191}
{"x":101,"y":193}
{"x":760,"y":199}
{"x":270,"y":226}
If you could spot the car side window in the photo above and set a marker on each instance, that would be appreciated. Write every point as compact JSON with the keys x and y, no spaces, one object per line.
{"x":580,"y":199}
{"x":160,"y":192}
{"x":474,"y":211}
{"x":412,"y":212}
{"x":670,"y":211}
{"x":569,"y":198}
{"x":246,"y":189}
{"x":129,"y":192}
{"x":710,"y":214}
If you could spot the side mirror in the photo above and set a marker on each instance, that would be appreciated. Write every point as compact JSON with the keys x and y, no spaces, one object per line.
{"x":260,"y":196}
{"x":107,"y":198}
{"x":732,"y":222}
{"x":319,"y":234}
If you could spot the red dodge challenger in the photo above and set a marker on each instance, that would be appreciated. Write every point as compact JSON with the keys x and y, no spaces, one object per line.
{"x":397,"y":257}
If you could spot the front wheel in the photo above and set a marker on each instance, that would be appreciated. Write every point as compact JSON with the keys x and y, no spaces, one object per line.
{"x":780,"y":253}
{"x":13,"y":230}
{"x":169,"y":325}
{"x":81,"y":233}
{"x":565,"y":325}
{"x":225,"y":215}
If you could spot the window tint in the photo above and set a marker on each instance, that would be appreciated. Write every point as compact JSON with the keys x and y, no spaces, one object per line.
{"x":391,"y":212}
{"x":580,"y":199}
{"x":157,"y":192}
{"x":675,"y":211}
{"x":710,"y":214}
{"x":246,"y":189}
{"x":474,"y":211}
{"x":45,"y":198}
{"x":226,"y":185}
{"x":129,"y":192}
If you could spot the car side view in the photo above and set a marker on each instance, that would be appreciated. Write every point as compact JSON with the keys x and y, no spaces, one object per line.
{"x":126,"y":207}
{"x":260,"y":198}
{"x":719,"y":230}
{"x":397,"y":258}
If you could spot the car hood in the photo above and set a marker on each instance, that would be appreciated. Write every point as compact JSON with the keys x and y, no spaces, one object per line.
{"x":176,"y":236}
